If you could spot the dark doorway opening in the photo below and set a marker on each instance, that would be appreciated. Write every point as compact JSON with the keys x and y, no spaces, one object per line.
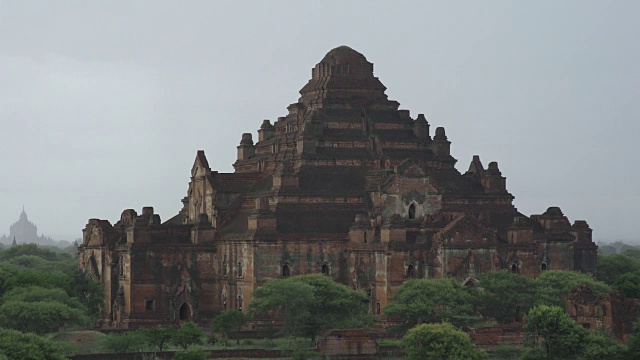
{"x":410,"y":271}
{"x":185,"y":312}
{"x":412,"y":211}
{"x":325,"y":269}
{"x":285,"y":271}
{"x":514,"y":268}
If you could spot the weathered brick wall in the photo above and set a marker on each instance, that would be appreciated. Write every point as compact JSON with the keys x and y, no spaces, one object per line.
{"x":487,"y":338}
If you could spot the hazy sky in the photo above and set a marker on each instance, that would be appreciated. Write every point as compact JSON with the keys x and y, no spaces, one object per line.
{"x":103,"y":104}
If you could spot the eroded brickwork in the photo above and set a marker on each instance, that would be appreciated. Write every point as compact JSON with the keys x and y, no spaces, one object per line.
{"x":346,"y":184}
{"x":612,"y":311}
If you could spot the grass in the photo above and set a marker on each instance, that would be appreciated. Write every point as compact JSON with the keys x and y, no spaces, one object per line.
{"x":79,"y":342}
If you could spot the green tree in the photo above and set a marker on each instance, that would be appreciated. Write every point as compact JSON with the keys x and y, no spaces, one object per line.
{"x":553,"y":332}
{"x":188,"y":334}
{"x":193,"y":352}
{"x":309,"y":304}
{"x":426,"y":300}
{"x":37,"y":293}
{"x":334,"y":306}
{"x":610,"y":267}
{"x":130,"y":341}
{"x":633,"y":344}
{"x":628,"y":284}
{"x":439,"y":341}
{"x":40,"y":317}
{"x":15,"y":345}
{"x":229,"y":322}
{"x":504,"y":296}
{"x":285,"y":300}
{"x":600,"y":345}
{"x":157,"y":337}
{"x":550,"y":285}
{"x":90,"y":292}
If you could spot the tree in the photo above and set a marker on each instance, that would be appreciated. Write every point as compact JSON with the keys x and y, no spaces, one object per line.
{"x":15,"y":345}
{"x":285,"y":300}
{"x":130,"y":341}
{"x":40,"y":317}
{"x":504,"y":296}
{"x":427,"y":300}
{"x":550,"y":285}
{"x":193,"y":352}
{"x":37,"y":293}
{"x":334,"y":306}
{"x":600,"y":345}
{"x":188,"y":334}
{"x":157,"y":337}
{"x":628,"y":284}
{"x":554,"y":333}
{"x":90,"y":292}
{"x":439,"y":341}
{"x":610,"y":267}
{"x":229,"y":322}
{"x":309,"y":304}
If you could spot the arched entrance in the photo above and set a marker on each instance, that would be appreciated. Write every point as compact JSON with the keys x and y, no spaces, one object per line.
{"x":543,"y":267}
{"x":411,"y":272}
{"x":325,"y":269}
{"x":412,"y":211}
{"x":514,"y":268}
{"x":285,"y":271}
{"x":184,"y":314}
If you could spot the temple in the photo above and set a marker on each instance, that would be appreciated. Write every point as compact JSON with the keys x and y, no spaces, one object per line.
{"x":346,"y":184}
{"x":24,"y":231}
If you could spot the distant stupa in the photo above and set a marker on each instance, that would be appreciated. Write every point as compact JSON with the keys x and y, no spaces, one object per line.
{"x":24,"y":231}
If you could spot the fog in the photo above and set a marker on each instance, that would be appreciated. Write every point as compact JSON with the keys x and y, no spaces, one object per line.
{"x":103,"y":105}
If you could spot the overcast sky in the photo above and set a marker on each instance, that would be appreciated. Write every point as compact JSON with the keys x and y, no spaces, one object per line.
{"x":103,"y":104}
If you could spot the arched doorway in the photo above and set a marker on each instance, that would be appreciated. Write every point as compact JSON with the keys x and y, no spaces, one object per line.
{"x":184,"y":314}
{"x":285,"y":271}
{"x":411,"y":271}
{"x":325,"y":269}
{"x":514,"y":268}
{"x":543,"y":267}
{"x":412,"y":211}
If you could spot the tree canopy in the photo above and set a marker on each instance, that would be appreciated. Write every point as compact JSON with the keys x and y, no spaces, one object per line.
{"x":310,"y":304}
{"x":427,"y":300}
{"x":439,"y":341}
{"x":230,"y":321}
{"x":504,"y":296}
{"x":15,"y":345}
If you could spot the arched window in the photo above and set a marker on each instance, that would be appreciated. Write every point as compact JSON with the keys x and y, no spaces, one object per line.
{"x":412,"y":211}
{"x":239,"y":269}
{"x":325,"y":269}
{"x":285,"y":271}
{"x":514,"y":268}
{"x":543,"y":267}
{"x":185,"y":312}
{"x":411,"y":271}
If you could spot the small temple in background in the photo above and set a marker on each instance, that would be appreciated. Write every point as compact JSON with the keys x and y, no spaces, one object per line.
{"x":24,"y":231}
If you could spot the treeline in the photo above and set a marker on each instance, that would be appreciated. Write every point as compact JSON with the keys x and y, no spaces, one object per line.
{"x":42,"y":291}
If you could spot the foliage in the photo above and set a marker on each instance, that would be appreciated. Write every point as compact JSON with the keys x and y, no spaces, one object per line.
{"x":47,"y":280}
{"x":439,"y":341}
{"x":15,"y":345}
{"x":505,"y":352}
{"x":193,"y":352}
{"x":554,"y":332}
{"x":628,"y":284}
{"x":188,"y":334}
{"x":601,"y":345}
{"x":427,"y":300}
{"x":610,"y":267}
{"x":334,"y":306}
{"x":550,"y":285}
{"x":633,"y":344}
{"x":157,"y":337}
{"x":309,"y":304}
{"x":37,"y":293}
{"x":504,"y":296}
{"x":229,"y":322}
{"x":131,"y":341}
{"x":40,"y":317}
{"x":90,"y":292}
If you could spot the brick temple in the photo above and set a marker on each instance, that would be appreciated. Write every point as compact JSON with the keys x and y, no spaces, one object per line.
{"x":346,"y":184}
